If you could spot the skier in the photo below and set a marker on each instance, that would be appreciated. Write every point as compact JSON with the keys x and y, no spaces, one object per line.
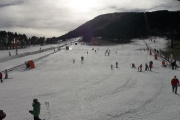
{"x":116,"y":64}
{"x":87,"y":52}
{"x":2,"y":115}
{"x":6,"y":74}
{"x":140,"y":68}
{"x":174,"y":83}
{"x":73,"y":61}
{"x":36,"y":109}
{"x":151,"y":62}
{"x":146,"y":67}
{"x":111,"y":67}
{"x":82,"y":59}
{"x":116,"y":52}
{"x":95,"y":51}
{"x":1,"y":77}
{"x":9,"y":53}
{"x":173,"y":64}
{"x":150,"y":65}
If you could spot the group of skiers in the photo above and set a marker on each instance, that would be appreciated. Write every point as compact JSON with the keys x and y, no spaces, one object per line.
{"x":113,"y":66}
{"x":6,"y":76}
{"x":146,"y":66}
{"x":107,"y":52}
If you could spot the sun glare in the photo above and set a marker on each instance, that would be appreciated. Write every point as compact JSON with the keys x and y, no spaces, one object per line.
{"x":82,"y":5}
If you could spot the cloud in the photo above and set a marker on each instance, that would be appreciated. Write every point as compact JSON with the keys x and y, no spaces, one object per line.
{"x":56,"y":17}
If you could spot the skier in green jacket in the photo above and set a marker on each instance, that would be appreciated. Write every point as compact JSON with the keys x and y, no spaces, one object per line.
{"x":36,"y":109}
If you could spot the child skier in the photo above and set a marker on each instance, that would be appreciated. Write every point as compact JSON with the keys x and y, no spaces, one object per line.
{"x":111,"y":67}
{"x":140,"y":68}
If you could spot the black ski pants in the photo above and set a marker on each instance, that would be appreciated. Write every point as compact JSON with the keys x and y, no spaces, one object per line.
{"x":36,"y":118}
{"x":174,"y":88}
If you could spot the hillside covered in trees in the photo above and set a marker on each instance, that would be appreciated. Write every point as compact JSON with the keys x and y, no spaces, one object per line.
{"x":126,"y":26}
{"x":114,"y":27}
{"x":7,"y":40}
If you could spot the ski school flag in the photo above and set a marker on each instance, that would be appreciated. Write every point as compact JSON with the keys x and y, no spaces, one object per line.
{"x":16,"y":38}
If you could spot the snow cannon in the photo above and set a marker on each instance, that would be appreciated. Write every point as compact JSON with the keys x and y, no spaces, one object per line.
{"x":67,"y":47}
{"x":163,"y":63}
{"x":30,"y":64}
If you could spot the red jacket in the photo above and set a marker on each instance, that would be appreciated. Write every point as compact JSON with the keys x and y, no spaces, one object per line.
{"x":174,"y":82}
{"x":140,"y":66}
{"x":0,"y":75}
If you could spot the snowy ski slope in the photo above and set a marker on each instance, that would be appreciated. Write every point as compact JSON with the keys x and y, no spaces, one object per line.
{"x":92,"y":91}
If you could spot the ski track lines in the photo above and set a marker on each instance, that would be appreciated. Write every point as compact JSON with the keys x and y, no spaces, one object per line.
{"x":92,"y":91}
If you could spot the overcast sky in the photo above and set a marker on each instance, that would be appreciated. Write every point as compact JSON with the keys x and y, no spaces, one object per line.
{"x":50,"y":18}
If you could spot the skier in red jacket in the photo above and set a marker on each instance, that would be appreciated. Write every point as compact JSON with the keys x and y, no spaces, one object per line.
{"x":174,"y":83}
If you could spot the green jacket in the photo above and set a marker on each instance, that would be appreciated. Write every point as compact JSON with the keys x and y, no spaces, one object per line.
{"x":36,"y":109}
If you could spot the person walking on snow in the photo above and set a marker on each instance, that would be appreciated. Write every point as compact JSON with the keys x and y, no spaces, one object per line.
{"x":174,"y":83}
{"x":111,"y":67}
{"x":1,"y":77}
{"x":36,"y":109}
{"x":140,"y":68}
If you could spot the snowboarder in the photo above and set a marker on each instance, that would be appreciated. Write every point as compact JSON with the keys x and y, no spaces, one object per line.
{"x":174,"y":83}
{"x":146,"y":67}
{"x":140,"y":68}
{"x":6,"y":74}
{"x":36,"y":109}
{"x":133,"y":65}
{"x":111,"y":67}
{"x":9,"y":53}
{"x":116,"y":64}
{"x":1,"y":77}
{"x":2,"y":115}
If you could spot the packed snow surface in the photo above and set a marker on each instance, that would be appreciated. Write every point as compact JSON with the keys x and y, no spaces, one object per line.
{"x":91,"y":90}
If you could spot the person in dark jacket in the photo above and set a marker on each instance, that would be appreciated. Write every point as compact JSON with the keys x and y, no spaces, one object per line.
{"x":2,"y":115}
{"x":36,"y":109}
{"x":146,"y":67}
{"x":1,"y":77}
{"x":174,"y":83}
